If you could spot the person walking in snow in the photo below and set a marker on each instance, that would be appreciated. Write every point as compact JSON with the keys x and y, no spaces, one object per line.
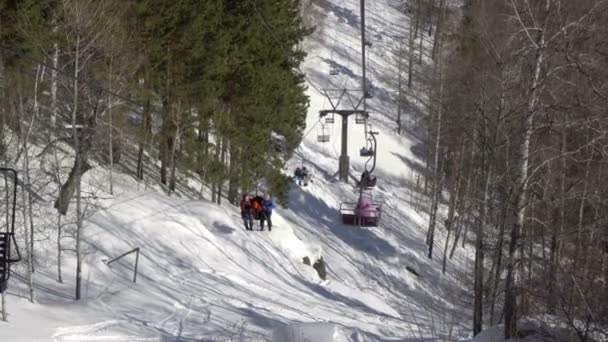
{"x":259,"y":212}
{"x":247,"y":212}
{"x":269,"y":205}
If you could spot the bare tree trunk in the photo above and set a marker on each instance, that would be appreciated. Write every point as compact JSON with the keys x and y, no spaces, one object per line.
{"x":57,"y":178}
{"x":164,"y":146}
{"x":111,"y":138}
{"x":233,"y":175}
{"x":498,"y":258}
{"x":77,"y":172}
{"x":557,"y":233}
{"x":430,"y":9}
{"x":436,"y":196}
{"x":223,"y":160}
{"x":437,"y":173}
{"x":469,"y":213}
{"x":521,"y":184}
{"x":410,"y":60}
{"x":59,"y":249}
{"x":72,"y":184}
{"x":54,"y":72}
{"x":399,"y":90}
{"x":27,"y":188}
{"x":147,"y":132}
{"x":4,"y":313}
{"x":580,"y":248}
{"x":213,"y":192}
{"x":454,"y":197}
{"x":420,"y":47}
{"x":417,"y":19}
{"x":7,"y":200}
{"x":460,"y":222}
{"x":439,"y":29}
{"x":216,"y":185}
{"x":479,"y":251}
{"x":173,"y":162}
{"x":39,"y":76}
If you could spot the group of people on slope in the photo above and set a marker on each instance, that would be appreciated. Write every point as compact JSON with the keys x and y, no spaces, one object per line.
{"x":257,"y":208}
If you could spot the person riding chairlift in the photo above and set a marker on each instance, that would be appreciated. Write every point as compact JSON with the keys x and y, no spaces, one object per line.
{"x":366,"y":151}
{"x":297,"y":176}
{"x":367,"y":180}
{"x":302,"y":176}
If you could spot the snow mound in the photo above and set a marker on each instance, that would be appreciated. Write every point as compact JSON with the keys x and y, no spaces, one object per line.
{"x":317,"y":332}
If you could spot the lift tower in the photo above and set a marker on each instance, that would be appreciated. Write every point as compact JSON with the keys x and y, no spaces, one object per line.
{"x":362,"y":114}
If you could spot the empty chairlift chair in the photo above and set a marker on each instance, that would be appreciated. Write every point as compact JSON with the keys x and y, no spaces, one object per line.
{"x":368,"y":150}
{"x":323,"y":135}
{"x":361,"y":118}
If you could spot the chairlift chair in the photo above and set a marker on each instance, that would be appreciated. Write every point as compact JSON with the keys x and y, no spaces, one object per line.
{"x":367,"y":151}
{"x":323,"y":136}
{"x":360,"y":118}
{"x":8,"y":237}
{"x":368,"y":180}
{"x":367,"y":184}
{"x":334,"y":71}
{"x":330,"y":119}
{"x":365,"y":213}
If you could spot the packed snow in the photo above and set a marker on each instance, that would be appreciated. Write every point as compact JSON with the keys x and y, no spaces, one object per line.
{"x":201,"y":276}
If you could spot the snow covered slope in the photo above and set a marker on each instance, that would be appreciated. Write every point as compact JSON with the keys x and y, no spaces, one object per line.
{"x":203,"y":277}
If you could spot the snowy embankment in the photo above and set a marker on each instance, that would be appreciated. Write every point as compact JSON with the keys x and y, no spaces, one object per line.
{"x":203,"y":277}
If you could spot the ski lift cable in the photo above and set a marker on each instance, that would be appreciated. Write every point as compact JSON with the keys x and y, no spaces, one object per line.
{"x":279,"y":44}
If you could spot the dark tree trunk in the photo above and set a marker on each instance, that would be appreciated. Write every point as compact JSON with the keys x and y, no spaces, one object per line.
{"x":233,"y":186}
{"x":498,"y":258}
{"x":68,"y":188}
{"x":166,"y":142}
{"x":223,"y":160}
{"x":147,"y":132}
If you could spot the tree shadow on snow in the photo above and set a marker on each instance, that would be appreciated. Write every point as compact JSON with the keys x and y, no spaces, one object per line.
{"x":347,"y":301}
{"x":343,"y":14}
{"x":223,"y":228}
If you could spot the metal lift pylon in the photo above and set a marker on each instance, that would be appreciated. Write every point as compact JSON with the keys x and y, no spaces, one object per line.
{"x":344,"y":163}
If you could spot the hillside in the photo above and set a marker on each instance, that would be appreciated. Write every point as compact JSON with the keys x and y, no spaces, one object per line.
{"x":202,"y":277}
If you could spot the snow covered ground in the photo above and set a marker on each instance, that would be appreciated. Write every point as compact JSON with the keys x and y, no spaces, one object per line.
{"x":203,"y":277}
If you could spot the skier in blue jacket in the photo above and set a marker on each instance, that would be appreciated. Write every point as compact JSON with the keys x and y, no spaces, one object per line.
{"x":269,"y":205}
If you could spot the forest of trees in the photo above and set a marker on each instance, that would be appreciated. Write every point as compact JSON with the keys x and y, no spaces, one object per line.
{"x":517,"y":134}
{"x":517,"y":130}
{"x":210,"y":89}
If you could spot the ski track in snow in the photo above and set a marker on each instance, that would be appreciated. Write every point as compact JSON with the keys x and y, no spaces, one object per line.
{"x":201,"y":276}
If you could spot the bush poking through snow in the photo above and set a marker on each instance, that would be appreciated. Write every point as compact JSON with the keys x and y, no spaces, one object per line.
{"x":306,"y":261}
{"x":319,"y":265}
